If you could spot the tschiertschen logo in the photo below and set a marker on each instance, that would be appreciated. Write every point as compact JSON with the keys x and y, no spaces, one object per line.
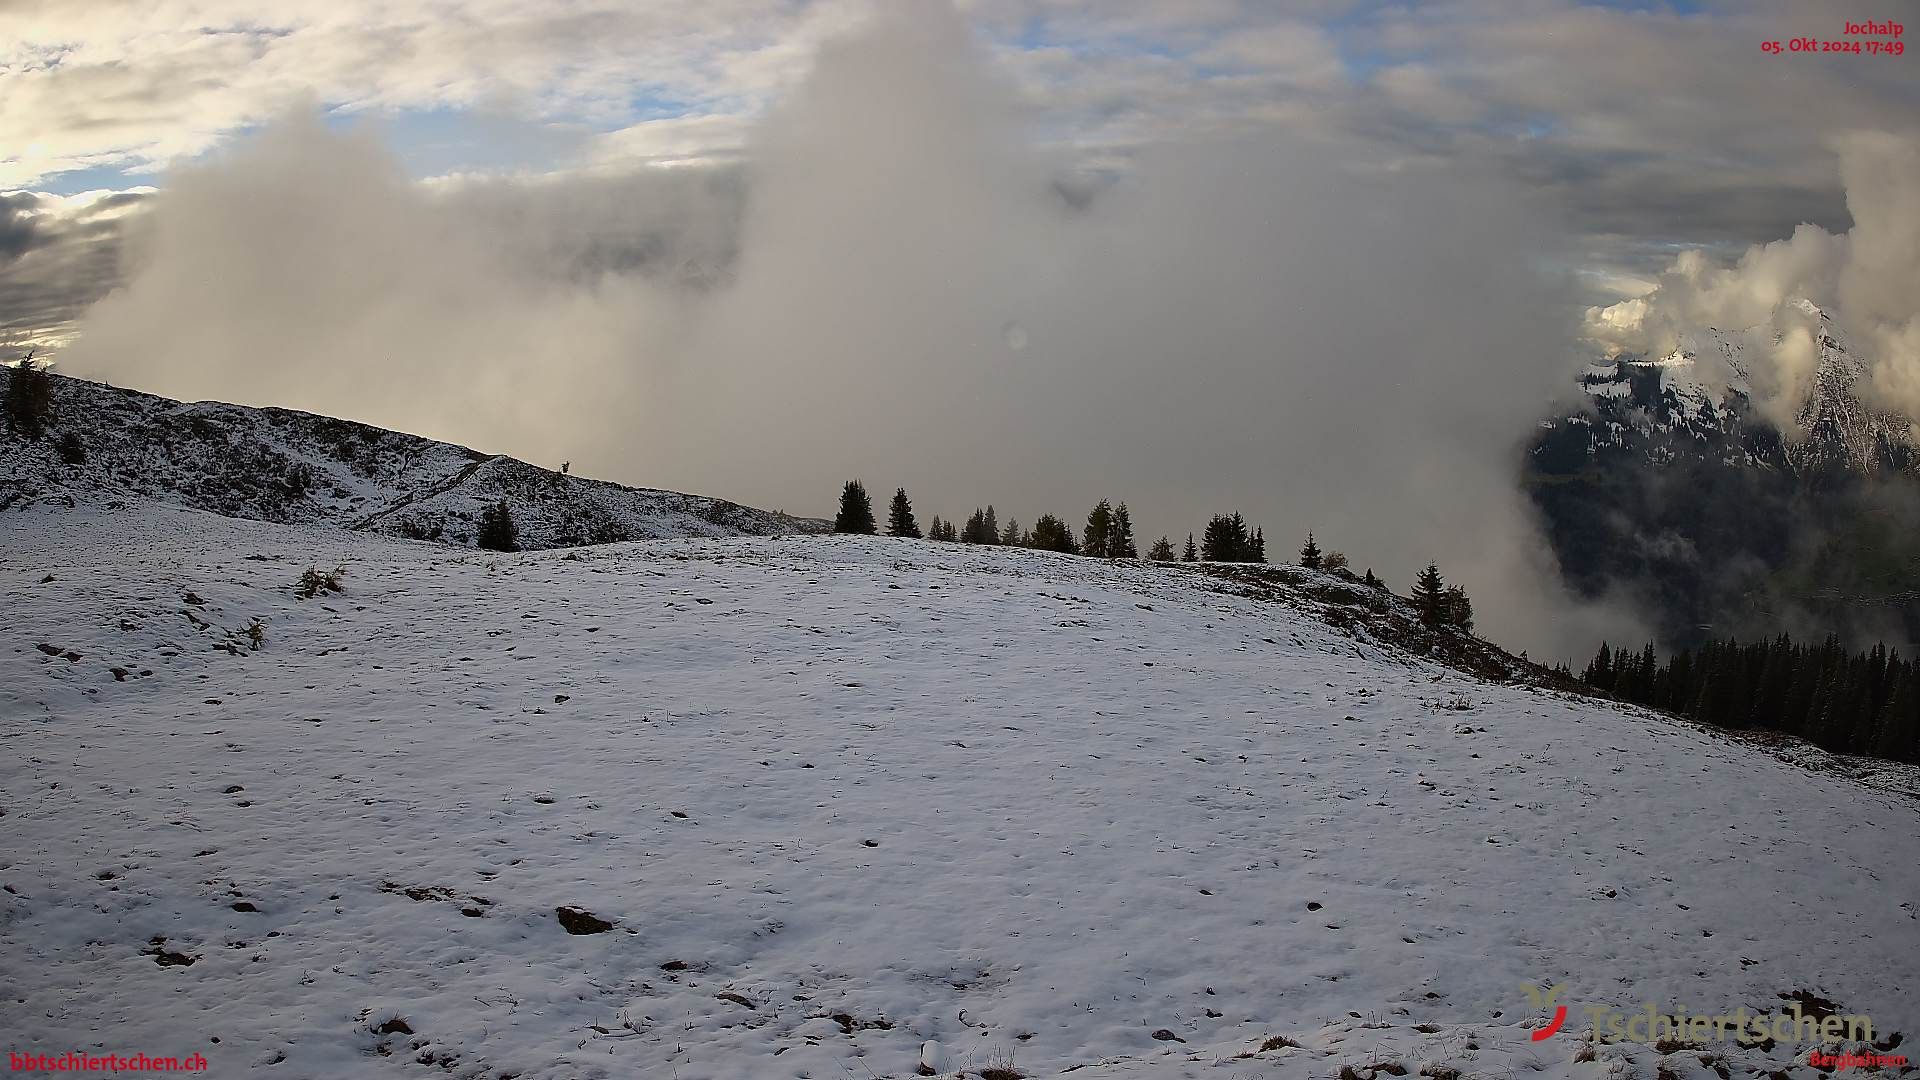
{"x":1544,"y":1000}
{"x":1648,"y":1024}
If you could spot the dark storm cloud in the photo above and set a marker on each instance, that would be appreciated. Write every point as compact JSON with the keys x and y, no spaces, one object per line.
{"x":56,"y":258}
{"x":1656,"y":128}
{"x":16,"y":225}
{"x":1649,"y":206}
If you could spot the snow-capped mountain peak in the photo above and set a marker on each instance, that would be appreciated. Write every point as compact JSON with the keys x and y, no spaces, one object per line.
{"x":1708,"y":389}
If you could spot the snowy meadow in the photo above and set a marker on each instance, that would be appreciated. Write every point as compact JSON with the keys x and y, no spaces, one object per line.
{"x":855,"y":807}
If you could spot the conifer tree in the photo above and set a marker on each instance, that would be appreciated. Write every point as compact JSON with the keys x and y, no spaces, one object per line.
{"x":1310,"y":553}
{"x":856,"y":510}
{"x":990,"y":527}
{"x":1832,"y":725}
{"x":1894,"y":730}
{"x":1776,"y":675}
{"x":1430,"y":596}
{"x":1626,"y":675}
{"x":1216,"y":541}
{"x":1801,"y":691}
{"x":496,"y":531}
{"x":1010,"y":536}
{"x":1161,"y":551}
{"x":1703,"y":705}
{"x":1052,"y":534}
{"x":1120,"y":535}
{"x":1459,"y":610}
{"x":936,"y":529}
{"x":975,"y":530}
{"x":29,"y":404}
{"x":1226,"y":540}
{"x":1599,"y":673}
{"x":1372,"y":582}
{"x":1093,"y":542}
{"x":900,"y":516}
{"x":1191,"y":554}
{"x":1813,"y":725}
{"x":71,"y":448}
{"x":1679,"y":674}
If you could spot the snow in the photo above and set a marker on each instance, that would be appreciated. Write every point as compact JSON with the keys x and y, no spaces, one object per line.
{"x":286,"y":466}
{"x":1704,"y":389}
{"x":852,"y":803}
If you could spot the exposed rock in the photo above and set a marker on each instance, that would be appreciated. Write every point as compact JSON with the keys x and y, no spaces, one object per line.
{"x":580,"y":922}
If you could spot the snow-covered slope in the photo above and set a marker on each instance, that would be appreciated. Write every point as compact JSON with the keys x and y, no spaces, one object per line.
{"x":799,"y":807}
{"x":285,"y":466}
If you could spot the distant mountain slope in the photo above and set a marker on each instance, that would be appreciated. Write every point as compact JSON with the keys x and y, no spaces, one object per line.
{"x":292,"y":467}
{"x":1698,"y":401}
{"x":1665,"y":482}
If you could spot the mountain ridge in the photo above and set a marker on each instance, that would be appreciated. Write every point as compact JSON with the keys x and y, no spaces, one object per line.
{"x":1669,"y":483}
{"x":1679,"y":395}
{"x":292,"y":467}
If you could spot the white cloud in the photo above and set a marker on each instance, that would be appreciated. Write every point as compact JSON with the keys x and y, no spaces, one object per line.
{"x":1652,"y":127}
{"x":144,"y":84}
{"x":1252,"y":321}
{"x":1864,"y":276}
{"x":676,"y":140}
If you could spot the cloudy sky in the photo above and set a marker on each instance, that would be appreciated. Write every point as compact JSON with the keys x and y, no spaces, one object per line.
{"x":1654,"y":124}
{"x":1167,"y":250}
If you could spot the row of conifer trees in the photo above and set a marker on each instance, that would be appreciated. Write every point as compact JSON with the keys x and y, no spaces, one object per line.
{"x":1843,"y":701}
{"x":1109,"y":535}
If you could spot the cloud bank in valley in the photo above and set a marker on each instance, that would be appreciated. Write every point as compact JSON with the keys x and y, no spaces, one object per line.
{"x":1865,"y":276}
{"x":902,"y":284}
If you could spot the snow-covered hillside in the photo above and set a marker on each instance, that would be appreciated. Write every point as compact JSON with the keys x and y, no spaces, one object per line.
{"x":803,"y":806}
{"x":285,"y":466}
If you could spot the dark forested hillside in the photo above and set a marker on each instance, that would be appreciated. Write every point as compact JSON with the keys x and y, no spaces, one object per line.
{"x":1847,"y":702}
{"x":1716,"y":524}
